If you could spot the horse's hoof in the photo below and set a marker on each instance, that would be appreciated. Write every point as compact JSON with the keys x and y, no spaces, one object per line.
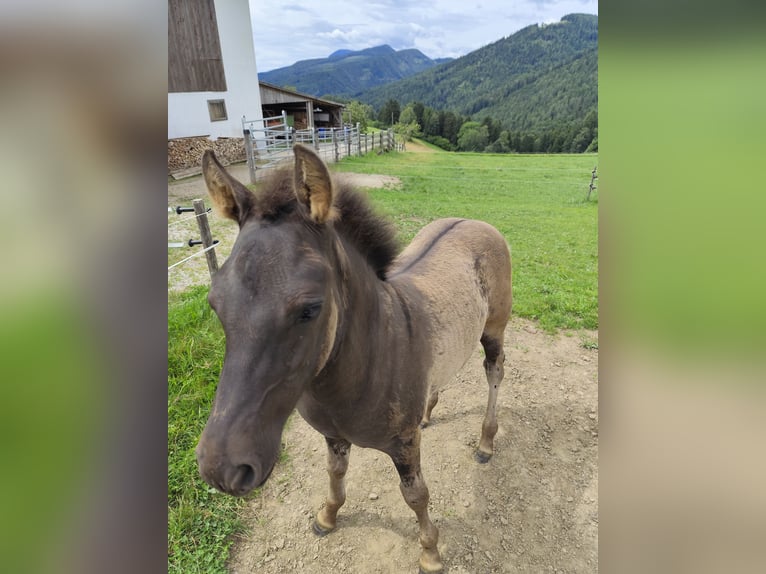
{"x":482,"y":457}
{"x":318,"y":530}
{"x":423,"y":425}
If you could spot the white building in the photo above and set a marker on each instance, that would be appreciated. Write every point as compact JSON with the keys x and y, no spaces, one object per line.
{"x":212,"y":75}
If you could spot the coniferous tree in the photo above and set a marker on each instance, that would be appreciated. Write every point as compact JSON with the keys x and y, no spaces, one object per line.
{"x":389,"y":113}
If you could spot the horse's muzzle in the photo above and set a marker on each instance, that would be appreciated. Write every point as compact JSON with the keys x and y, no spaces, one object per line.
{"x":234,"y":479}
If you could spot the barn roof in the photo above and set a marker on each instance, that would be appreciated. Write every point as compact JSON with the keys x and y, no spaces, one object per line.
{"x":271,"y":94}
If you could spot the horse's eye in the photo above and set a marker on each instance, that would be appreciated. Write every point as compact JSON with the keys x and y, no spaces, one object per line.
{"x":309,"y":312}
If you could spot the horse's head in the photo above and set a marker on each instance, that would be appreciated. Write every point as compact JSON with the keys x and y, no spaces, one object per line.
{"x":278,"y":304}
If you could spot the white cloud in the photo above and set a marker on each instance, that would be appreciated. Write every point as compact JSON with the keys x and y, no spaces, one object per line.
{"x":443,"y":28}
{"x":350,"y":36}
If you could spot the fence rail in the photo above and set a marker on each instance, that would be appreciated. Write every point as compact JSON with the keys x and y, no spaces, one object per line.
{"x":270,"y":142}
{"x":206,"y":238}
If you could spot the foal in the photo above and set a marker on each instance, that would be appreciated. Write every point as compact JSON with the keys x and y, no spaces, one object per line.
{"x":321,"y":314}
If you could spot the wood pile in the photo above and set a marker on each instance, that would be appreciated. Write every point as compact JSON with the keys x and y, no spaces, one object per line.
{"x":186,"y":153}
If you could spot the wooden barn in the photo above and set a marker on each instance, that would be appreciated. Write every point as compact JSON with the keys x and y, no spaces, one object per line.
{"x":212,"y":75}
{"x":303,"y":111}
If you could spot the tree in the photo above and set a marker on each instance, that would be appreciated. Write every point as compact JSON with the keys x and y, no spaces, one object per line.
{"x":473,"y":136}
{"x":581,"y":141}
{"x":406,"y":130}
{"x":493,"y":127}
{"x":430,"y":125}
{"x":501,"y":145}
{"x":389,"y":113}
{"x":408,"y":116}
{"x":527,"y":143}
{"x":591,"y":120}
{"x":419,"y":110}
{"x":450,"y":125}
{"x":360,"y":114}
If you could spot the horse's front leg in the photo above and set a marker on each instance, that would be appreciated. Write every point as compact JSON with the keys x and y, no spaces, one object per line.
{"x":406,"y":457}
{"x":337,"y":463}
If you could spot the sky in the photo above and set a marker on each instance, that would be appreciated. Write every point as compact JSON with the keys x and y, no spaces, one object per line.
{"x":305,"y":29}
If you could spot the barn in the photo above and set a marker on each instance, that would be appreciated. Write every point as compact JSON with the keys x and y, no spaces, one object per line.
{"x":213,"y":83}
{"x":212,"y":74}
{"x":303,"y":111}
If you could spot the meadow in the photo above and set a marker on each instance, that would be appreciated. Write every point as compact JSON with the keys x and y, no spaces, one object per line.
{"x":536,"y":201}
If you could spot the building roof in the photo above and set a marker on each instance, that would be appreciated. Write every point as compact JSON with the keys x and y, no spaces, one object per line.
{"x":292,"y":95}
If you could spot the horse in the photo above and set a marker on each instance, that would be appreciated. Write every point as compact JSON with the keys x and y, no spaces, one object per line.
{"x":321,"y":313}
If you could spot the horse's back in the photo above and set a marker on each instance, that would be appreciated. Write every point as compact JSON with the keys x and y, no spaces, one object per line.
{"x":461,"y":270}
{"x":450,"y":248}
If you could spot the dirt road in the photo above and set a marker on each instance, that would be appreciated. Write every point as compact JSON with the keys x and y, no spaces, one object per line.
{"x":533,"y":508}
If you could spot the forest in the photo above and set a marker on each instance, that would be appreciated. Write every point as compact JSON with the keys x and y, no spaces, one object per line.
{"x":533,"y":91}
{"x":456,"y":132}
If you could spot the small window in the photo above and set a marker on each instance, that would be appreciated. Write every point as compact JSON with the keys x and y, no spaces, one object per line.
{"x":217,"y":109}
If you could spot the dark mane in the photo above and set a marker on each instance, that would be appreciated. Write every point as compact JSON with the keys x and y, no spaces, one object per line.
{"x":372,"y":234}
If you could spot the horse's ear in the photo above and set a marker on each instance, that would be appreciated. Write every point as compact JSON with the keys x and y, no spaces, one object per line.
{"x":230,"y":197}
{"x":313,"y":184}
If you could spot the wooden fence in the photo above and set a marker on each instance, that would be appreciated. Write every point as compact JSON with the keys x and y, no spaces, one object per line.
{"x":270,"y":143}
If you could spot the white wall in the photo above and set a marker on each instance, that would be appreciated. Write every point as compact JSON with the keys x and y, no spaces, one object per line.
{"x":187,"y":112}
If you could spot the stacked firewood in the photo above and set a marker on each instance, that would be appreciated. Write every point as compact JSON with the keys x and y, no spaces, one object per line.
{"x":186,"y":153}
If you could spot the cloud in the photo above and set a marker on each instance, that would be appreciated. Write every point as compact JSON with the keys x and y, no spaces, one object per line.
{"x":447,"y":28}
{"x":348,"y":37}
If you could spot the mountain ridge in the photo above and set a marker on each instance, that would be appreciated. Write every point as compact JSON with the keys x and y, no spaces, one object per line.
{"x":349,"y":72}
{"x":538,"y":77}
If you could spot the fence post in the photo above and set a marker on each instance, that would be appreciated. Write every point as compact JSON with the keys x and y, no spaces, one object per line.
{"x":358,"y":140}
{"x":314,"y":138}
{"x":249,"y":151}
{"x":249,"y":155}
{"x":593,"y":177}
{"x":207,"y":237}
{"x":335,"y":144}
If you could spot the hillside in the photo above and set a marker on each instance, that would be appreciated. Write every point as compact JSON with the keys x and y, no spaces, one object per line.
{"x":537,"y":78}
{"x":347,"y":73}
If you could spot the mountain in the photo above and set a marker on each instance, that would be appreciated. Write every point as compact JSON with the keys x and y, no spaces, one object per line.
{"x":347,"y":73}
{"x":538,"y":78}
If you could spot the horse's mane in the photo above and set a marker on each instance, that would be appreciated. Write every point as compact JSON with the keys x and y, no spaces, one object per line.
{"x":372,"y":234}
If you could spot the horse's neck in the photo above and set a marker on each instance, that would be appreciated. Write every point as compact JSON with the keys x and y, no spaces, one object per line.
{"x":368,"y":316}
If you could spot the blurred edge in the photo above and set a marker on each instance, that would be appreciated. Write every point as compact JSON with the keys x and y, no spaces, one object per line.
{"x":82,"y":155}
{"x":682,"y":278}
{"x":83,"y":110}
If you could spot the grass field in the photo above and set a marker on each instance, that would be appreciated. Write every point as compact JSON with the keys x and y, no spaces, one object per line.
{"x":200,"y":519}
{"x":537,"y":202}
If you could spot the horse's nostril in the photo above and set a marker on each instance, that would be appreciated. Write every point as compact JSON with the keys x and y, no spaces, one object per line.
{"x":244,"y":479}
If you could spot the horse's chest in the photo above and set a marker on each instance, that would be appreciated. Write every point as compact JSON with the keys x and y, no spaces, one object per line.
{"x":366,"y":424}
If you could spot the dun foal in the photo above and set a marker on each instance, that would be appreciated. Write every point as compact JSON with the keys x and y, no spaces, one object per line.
{"x":320,"y":313}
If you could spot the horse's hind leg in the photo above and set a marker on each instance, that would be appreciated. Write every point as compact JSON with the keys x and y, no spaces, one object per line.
{"x":337,"y":463}
{"x":432,"y":400}
{"x":493,"y":366}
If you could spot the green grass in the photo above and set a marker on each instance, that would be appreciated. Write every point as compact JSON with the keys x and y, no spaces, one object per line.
{"x":536,"y":201}
{"x":200,"y":519}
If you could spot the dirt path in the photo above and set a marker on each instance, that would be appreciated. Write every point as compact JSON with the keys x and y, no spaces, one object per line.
{"x":195,"y":271}
{"x":533,"y":508}
{"x":419,"y":147}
